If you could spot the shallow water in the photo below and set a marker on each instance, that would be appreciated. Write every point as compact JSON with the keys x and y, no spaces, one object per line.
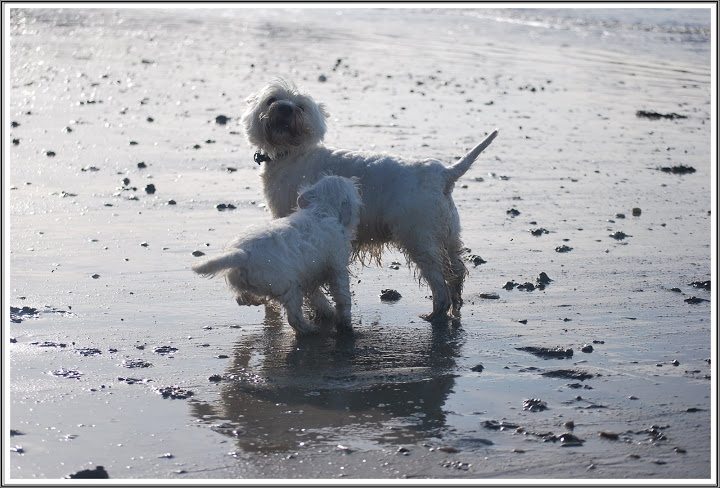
{"x":106,"y":266}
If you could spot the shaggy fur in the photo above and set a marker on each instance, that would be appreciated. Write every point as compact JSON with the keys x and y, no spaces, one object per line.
{"x":292,"y":257}
{"x":406,"y":202}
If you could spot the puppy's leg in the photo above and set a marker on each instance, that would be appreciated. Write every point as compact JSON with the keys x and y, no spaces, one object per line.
{"x":292,"y":301}
{"x":320,"y":305}
{"x":340,"y":291}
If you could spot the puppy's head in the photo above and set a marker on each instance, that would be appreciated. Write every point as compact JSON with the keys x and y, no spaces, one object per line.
{"x":333,"y":196}
{"x":280,"y":121}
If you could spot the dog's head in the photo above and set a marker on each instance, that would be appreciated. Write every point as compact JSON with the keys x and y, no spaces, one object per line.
{"x":333,"y":196}
{"x":280,"y":121}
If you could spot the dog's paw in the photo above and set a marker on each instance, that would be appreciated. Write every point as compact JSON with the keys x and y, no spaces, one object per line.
{"x":437,"y":318}
{"x":306,"y":329}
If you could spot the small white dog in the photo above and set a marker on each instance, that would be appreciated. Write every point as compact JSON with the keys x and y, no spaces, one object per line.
{"x":293,"y":257}
{"x":406,"y":202}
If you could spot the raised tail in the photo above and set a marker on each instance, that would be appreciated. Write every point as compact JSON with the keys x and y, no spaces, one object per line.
{"x":215,"y":266}
{"x":458,"y":169}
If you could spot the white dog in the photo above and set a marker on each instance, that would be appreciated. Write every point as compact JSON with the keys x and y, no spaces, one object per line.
{"x":406,"y":202}
{"x":294,"y":256}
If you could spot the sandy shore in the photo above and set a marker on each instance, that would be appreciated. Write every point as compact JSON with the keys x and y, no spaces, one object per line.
{"x":106,"y":312}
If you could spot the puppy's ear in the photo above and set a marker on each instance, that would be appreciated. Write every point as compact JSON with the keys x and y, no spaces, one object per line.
{"x":323,"y":111}
{"x":304,"y":199}
{"x":345,"y":213}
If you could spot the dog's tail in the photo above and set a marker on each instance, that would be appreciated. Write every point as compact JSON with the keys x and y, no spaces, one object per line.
{"x":215,"y":266}
{"x":458,"y":169}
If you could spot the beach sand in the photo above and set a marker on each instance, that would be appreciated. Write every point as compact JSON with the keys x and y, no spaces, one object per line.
{"x":107,"y":313}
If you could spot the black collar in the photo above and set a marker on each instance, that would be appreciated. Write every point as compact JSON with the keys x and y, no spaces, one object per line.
{"x":260,"y":157}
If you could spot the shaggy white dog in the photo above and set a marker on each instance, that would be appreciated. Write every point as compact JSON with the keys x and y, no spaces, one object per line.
{"x":406,"y":202}
{"x":292,"y":257}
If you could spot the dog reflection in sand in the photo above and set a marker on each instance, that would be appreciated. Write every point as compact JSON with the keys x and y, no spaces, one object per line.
{"x":292,"y":257}
{"x":406,"y":202}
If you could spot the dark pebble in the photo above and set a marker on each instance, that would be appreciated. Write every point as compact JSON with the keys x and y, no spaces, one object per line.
{"x":97,"y":473}
{"x":50,"y":154}
{"x":197,"y":254}
{"x":390,"y":295}
{"x":513,"y":212}
{"x":701,"y":284}
{"x":534,"y":405}
{"x":539,"y":232}
{"x":174,"y":392}
{"x":543,"y":278}
{"x":133,"y":143}
{"x":165,"y":349}
{"x":476,"y":260}
{"x":222,"y":119}
{"x":678,"y":170}
{"x":568,"y":374}
{"x":141,"y":165}
{"x":547,"y":352}
{"x":16,"y":142}
{"x":636,"y":212}
{"x":695,"y":300}
{"x":563,"y":248}
{"x":587,"y":348}
{"x":489,"y":296}
{"x":618,"y":235}
{"x":215,"y":378}
{"x":172,"y":202}
{"x":478,"y":368}
{"x":225,"y":206}
{"x":150,"y":189}
{"x":652,"y":115}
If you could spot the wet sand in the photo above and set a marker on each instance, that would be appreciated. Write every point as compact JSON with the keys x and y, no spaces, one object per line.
{"x":113,"y":313}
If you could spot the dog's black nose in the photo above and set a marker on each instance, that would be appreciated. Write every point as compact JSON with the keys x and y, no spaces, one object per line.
{"x":285,"y":110}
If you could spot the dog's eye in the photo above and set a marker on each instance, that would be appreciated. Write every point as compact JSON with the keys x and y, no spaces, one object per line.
{"x":271,"y":101}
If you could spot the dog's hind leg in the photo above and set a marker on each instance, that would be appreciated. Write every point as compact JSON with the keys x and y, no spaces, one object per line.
{"x":292,"y":301}
{"x":455,"y":282}
{"x":430,"y":263}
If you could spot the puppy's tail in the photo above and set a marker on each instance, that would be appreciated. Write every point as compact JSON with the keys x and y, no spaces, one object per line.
{"x":458,"y":169}
{"x":215,"y":266}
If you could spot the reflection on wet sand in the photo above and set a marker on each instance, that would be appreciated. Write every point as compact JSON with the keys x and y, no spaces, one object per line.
{"x":385,"y":385}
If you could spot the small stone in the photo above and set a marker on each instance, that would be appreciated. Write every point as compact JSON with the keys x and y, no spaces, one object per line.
{"x":150,"y":189}
{"x":587,"y":348}
{"x":222,"y":119}
{"x":322,"y":78}
{"x":636,"y":212}
{"x":448,"y":449}
{"x":141,"y":165}
{"x":197,"y":254}
{"x":390,"y":295}
{"x":477,"y":368}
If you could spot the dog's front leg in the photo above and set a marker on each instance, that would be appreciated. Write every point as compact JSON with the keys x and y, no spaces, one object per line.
{"x":320,"y":305}
{"x":339,"y":285}
{"x":293,"y":307}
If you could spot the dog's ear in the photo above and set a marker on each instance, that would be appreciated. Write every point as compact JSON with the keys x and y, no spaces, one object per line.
{"x":345,"y":213}
{"x":323,"y":111}
{"x":304,"y":199}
